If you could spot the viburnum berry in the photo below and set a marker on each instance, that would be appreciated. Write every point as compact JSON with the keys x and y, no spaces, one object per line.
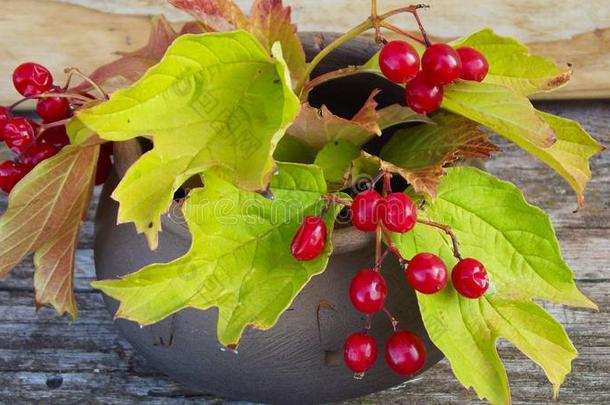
{"x":398,"y":213}
{"x":19,"y":133}
{"x":366,"y":210}
{"x":35,"y":154}
{"x":405,"y":353}
{"x":51,"y":109}
{"x":474,"y":64}
{"x":399,"y":61}
{"x":360,"y":352}
{"x":31,"y":79}
{"x":427,"y":273}
{"x":104,"y":165}
{"x":57,"y":136}
{"x":441,"y":63}
{"x":422,"y":96}
{"x":310,"y":240}
{"x":470,"y":278}
{"x":10,"y":174}
{"x":368,"y":291}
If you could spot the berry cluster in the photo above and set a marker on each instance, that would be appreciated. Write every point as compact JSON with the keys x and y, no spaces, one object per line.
{"x":386,"y":213}
{"x":440,"y":66}
{"x":33,"y":142}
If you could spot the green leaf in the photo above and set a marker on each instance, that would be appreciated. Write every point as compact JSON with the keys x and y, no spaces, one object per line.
{"x":500,"y":109}
{"x":290,"y":149}
{"x":45,"y":210}
{"x":511,"y":64}
{"x":215,"y":100}
{"x":249,"y":273}
{"x":421,"y":152}
{"x":517,"y":244}
{"x":335,"y":160}
{"x":570,"y":155}
{"x":317,"y":127}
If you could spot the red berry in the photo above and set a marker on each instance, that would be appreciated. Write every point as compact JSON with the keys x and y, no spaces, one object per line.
{"x":422,"y":96}
{"x":368,"y":291}
{"x":366,"y":210}
{"x":427,"y":273}
{"x":310,"y":240}
{"x":104,"y":166}
{"x":5,"y":116}
{"x":398,"y":213}
{"x":19,"y":132}
{"x":52,"y":109}
{"x":32,"y":79}
{"x":474,"y":64}
{"x":57,"y":136}
{"x":399,"y":61}
{"x":35,"y":154}
{"x":10,"y":174}
{"x":360,"y":352}
{"x":470,"y":278}
{"x":405,"y":353}
{"x":442,"y":64}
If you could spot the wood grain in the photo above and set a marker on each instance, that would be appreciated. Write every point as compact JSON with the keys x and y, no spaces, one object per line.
{"x":44,"y":359}
{"x":87,"y":33}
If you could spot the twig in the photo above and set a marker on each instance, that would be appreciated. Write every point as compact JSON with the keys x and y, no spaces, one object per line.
{"x":448,"y":231}
{"x":391,"y":318}
{"x":381,"y":259}
{"x":400,"y":31}
{"x":392,"y":247}
{"x":74,"y":71}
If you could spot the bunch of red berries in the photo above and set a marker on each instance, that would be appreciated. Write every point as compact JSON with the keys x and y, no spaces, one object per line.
{"x":33,"y":142}
{"x":393,"y":212}
{"x":440,"y":65}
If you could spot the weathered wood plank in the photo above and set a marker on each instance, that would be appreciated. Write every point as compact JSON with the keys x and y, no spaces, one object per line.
{"x":86,"y":33}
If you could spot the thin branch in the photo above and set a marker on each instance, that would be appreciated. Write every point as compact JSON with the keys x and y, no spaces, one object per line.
{"x":74,"y":71}
{"x":400,"y":31}
{"x":392,"y":247}
{"x":393,"y":320}
{"x":44,"y":127}
{"x":381,"y":259}
{"x":378,"y":241}
{"x":353,"y":33}
{"x":448,"y":231}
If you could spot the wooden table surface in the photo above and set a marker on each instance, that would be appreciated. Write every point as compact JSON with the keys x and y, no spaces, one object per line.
{"x":51,"y":360}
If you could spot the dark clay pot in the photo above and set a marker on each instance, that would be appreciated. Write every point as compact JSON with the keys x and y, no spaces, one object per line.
{"x":298,"y":361}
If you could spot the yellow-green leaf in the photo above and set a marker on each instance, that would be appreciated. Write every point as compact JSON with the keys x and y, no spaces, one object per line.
{"x":249,"y":274}
{"x":570,"y":155}
{"x":511,"y":64}
{"x":215,"y":100}
{"x":500,"y":109}
{"x":517,"y":244}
